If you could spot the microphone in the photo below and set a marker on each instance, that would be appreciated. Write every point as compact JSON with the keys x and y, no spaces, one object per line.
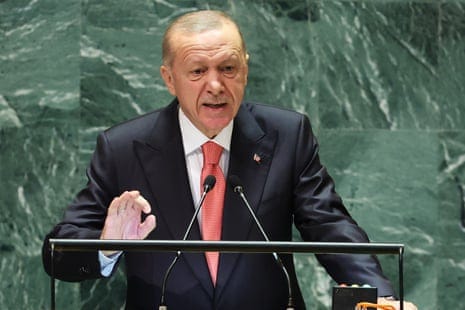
{"x":236,"y":185}
{"x":208,"y":185}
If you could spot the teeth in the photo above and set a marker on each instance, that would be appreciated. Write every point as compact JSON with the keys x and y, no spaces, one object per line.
{"x":214,"y":104}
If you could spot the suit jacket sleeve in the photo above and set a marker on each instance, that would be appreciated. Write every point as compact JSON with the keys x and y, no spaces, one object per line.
{"x":320,"y":216}
{"x":84,"y":219}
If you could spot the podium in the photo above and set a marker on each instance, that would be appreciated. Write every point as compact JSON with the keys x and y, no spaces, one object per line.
{"x":227,"y":246}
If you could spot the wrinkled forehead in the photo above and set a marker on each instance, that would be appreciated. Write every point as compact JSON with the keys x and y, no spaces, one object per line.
{"x":225,"y":40}
{"x":229,"y":34}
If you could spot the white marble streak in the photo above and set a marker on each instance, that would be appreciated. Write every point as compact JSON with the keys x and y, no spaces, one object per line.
{"x":8,"y":116}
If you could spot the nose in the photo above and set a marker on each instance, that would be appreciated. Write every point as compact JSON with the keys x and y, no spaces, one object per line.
{"x":215,"y":84}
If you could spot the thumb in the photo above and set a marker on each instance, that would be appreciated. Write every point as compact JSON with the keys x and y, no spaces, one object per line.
{"x":147,"y":226}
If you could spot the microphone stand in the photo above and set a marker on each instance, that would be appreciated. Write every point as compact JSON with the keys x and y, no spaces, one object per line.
{"x":208,"y":185}
{"x":238,"y":189}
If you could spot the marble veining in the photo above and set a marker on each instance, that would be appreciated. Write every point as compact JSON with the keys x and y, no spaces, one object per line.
{"x":381,"y":81}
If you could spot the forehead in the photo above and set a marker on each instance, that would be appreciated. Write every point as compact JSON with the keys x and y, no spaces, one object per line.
{"x":224,"y":40}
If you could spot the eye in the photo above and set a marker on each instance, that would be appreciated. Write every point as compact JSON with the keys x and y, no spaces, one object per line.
{"x":229,"y":71}
{"x":196,"y":74}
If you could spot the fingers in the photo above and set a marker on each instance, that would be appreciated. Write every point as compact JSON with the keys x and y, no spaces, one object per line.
{"x":114,"y":206}
{"x":396,"y":304}
{"x":124,"y":217}
{"x":410,"y":306}
{"x":129,"y":201}
{"x":142,"y":204}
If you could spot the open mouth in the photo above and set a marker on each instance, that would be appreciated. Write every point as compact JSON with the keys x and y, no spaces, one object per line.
{"x":214,"y":105}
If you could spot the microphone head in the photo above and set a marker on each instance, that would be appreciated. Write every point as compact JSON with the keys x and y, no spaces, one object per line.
{"x":209,"y":183}
{"x":235,"y":183}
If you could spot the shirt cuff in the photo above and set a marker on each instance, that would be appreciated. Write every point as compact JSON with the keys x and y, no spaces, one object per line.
{"x":107,"y":263}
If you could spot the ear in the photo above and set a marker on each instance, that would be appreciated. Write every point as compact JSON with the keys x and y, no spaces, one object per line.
{"x":165,"y":73}
{"x":246,"y":68}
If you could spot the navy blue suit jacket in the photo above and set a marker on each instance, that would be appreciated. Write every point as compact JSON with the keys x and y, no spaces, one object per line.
{"x":287,"y":186}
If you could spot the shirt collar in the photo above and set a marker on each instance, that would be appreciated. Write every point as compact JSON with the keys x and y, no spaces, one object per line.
{"x":193,"y":139}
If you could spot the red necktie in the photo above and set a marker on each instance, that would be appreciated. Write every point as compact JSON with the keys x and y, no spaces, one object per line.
{"x":212,"y":210}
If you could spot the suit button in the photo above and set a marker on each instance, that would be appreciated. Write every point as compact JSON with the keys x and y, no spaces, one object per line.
{"x":84,"y":270}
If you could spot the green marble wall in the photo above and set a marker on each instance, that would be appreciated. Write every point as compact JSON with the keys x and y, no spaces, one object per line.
{"x":382,"y":81}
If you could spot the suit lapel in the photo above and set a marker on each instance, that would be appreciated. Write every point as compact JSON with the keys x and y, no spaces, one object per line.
{"x":164,"y":165}
{"x":250,"y":160}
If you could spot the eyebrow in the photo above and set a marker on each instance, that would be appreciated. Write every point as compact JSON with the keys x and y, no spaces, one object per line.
{"x":200,"y":59}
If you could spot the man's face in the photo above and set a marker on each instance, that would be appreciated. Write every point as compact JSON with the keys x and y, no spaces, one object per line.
{"x":208,"y":74}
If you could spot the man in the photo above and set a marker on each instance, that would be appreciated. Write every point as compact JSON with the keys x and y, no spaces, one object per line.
{"x":146,"y":176}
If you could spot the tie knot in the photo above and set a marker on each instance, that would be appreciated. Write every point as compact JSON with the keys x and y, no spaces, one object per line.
{"x":211,"y":153}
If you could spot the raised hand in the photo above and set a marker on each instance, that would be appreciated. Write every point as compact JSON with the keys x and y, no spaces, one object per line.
{"x":124,"y":218}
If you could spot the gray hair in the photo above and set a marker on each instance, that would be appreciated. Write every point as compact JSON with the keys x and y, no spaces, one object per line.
{"x":195,"y":22}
